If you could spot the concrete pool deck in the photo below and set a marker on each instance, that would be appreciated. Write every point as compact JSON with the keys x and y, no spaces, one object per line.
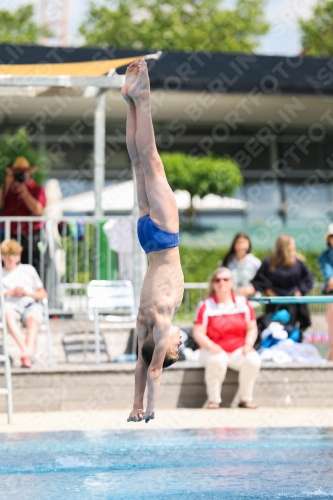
{"x":110,"y":386}
{"x":86,"y":420}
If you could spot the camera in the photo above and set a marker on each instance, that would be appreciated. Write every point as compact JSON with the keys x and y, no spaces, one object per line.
{"x":19,"y":176}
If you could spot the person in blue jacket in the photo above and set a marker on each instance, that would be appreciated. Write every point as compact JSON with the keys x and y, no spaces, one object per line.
{"x":326,"y":266}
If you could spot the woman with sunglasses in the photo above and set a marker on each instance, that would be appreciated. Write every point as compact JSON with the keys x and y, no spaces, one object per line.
{"x":225,"y":329}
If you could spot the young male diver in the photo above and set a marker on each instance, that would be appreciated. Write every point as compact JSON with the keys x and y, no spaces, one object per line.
{"x":158,"y":233}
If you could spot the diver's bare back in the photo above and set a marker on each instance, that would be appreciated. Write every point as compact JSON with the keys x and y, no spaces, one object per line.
{"x":162,"y":289}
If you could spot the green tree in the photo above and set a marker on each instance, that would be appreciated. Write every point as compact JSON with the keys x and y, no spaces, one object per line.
{"x":176,"y":25}
{"x":201,"y":175}
{"x":17,"y":144}
{"x":19,"y":26}
{"x":317,"y":32}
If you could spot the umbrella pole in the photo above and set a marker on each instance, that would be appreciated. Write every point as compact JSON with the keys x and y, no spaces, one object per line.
{"x":99,"y":151}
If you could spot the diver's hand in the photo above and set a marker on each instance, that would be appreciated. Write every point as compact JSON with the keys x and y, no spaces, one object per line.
{"x":136,"y":415}
{"x":148,"y":415}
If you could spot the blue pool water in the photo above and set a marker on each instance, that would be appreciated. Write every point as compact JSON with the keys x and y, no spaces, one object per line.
{"x":145,"y":464}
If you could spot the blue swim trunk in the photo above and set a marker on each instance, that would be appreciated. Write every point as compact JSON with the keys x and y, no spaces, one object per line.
{"x":153,"y":238}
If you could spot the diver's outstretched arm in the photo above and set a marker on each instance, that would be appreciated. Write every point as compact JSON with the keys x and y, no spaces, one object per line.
{"x":137,"y":412}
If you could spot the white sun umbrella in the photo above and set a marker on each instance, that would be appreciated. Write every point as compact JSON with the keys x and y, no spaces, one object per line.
{"x":115,"y":198}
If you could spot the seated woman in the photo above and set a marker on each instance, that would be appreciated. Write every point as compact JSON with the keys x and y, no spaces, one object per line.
{"x":226,"y":330}
{"x":284,"y":273}
{"x":242,"y":264}
{"x":22,"y":289}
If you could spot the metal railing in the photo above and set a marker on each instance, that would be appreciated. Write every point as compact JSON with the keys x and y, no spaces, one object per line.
{"x":68,"y":252}
{"x":194,"y":292}
{"x":316,"y":334}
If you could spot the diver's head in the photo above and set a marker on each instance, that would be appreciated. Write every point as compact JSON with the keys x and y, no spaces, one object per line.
{"x":171,"y":355}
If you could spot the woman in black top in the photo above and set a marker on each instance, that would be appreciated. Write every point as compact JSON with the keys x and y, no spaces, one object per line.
{"x":284,"y":273}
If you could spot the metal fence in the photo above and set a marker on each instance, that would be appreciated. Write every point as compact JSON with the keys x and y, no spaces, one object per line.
{"x":316,"y":334}
{"x":71,"y":251}
{"x":194,"y":292}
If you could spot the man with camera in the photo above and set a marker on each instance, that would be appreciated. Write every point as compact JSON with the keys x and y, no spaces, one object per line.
{"x":22,"y":197}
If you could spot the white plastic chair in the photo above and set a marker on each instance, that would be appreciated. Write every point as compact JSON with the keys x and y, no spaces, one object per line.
{"x":7,"y":390}
{"x":4,"y":357}
{"x":115,"y":301}
{"x":45,"y":304}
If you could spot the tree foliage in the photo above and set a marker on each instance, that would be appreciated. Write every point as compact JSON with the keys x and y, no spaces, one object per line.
{"x":19,"y":26}
{"x":317,"y":32}
{"x":199,"y":25}
{"x":17,"y":144}
{"x":201,"y":175}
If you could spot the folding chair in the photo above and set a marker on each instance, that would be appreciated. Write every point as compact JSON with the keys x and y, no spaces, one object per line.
{"x":45,"y":304}
{"x":114,"y":300}
{"x":4,"y":358}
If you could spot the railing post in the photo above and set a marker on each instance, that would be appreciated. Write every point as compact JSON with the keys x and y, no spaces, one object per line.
{"x":7,"y":229}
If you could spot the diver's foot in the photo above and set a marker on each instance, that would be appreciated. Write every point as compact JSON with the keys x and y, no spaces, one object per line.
{"x":140,"y":88}
{"x":130,"y":78}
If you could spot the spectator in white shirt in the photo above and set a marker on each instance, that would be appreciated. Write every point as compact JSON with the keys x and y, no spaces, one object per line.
{"x":242,"y":264}
{"x":22,"y":289}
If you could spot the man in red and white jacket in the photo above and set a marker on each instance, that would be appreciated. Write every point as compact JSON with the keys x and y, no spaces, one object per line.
{"x":226,"y":330}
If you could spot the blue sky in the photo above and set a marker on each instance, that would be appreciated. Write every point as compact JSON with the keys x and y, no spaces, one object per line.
{"x":283,"y":38}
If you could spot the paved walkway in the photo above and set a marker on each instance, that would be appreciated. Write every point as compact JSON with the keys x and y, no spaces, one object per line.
{"x":168,"y":419}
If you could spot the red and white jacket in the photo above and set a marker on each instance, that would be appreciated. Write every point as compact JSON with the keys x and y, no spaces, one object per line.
{"x":226,"y":324}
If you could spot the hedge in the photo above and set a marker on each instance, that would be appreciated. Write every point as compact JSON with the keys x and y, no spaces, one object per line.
{"x":198,"y":264}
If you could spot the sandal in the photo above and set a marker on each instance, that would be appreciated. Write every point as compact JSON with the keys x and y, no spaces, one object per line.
{"x":248,"y":406}
{"x":212,"y":406}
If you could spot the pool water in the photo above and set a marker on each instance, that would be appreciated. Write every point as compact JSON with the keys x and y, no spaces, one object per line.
{"x":148,"y":464}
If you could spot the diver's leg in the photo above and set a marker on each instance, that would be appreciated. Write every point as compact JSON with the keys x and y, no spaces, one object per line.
{"x":143,"y":203}
{"x":163,"y":207}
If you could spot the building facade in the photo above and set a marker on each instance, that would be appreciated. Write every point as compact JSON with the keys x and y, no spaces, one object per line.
{"x":273,"y":115}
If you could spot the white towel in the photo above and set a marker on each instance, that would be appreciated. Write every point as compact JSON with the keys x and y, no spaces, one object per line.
{"x":276,"y":330}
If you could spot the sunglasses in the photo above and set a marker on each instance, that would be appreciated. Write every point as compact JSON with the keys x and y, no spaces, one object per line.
{"x":217,"y":280}
{"x":8,"y":254}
